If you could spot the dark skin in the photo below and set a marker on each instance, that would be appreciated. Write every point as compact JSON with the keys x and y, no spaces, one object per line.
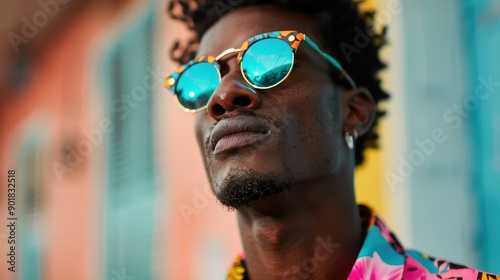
{"x":279,"y":232}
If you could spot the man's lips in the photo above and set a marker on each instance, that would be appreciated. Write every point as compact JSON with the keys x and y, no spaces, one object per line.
{"x":237,"y":132}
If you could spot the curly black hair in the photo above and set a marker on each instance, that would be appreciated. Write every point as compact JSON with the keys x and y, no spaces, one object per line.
{"x":340,"y":22}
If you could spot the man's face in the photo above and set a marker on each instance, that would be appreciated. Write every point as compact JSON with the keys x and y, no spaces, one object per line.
{"x":274,"y":138}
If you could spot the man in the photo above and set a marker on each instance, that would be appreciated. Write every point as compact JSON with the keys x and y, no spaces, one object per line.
{"x":284,"y":111}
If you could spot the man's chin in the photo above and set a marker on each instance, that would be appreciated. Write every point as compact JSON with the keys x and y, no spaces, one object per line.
{"x":240,"y":188}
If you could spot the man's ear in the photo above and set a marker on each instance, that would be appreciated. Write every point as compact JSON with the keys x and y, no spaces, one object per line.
{"x":358,"y":110}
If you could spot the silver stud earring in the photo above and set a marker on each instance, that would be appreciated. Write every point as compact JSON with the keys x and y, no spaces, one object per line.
{"x":349,"y":139}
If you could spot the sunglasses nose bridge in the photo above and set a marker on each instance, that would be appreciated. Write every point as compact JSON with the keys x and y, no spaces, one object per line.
{"x":227,"y":52}
{"x":232,"y":94}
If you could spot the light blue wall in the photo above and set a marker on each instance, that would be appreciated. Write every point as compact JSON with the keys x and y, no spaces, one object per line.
{"x":442,"y":208}
{"x":483,"y":43}
{"x":131,"y":189}
{"x":30,"y":211}
{"x":450,"y":47}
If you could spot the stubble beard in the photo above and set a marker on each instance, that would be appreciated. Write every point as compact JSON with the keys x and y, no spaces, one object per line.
{"x":242,"y":187}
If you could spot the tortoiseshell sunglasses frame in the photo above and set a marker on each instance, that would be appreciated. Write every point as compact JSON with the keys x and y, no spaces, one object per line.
{"x":292,"y":37}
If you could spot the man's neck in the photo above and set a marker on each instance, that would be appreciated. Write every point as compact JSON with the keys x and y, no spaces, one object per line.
{"x":313,"y":233}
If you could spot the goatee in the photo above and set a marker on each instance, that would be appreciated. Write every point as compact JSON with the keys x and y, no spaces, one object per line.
{"x":242,"y":187}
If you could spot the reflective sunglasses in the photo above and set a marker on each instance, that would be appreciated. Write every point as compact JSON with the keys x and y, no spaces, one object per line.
{"x":265,"y":61}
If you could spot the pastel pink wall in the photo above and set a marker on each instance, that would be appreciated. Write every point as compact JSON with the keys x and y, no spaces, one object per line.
{"x":205,"y":220}
{"x":60,"y":95}
{"x":57,"y":94}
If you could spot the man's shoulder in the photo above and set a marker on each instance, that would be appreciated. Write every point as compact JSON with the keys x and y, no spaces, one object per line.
{"x":382,"y":256}
{"x":422,"y":266}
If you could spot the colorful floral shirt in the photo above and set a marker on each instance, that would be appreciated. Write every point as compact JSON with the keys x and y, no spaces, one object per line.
{"x":383,"y":257}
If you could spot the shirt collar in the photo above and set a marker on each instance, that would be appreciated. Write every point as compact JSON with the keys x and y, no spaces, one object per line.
{"x":381,"y":256}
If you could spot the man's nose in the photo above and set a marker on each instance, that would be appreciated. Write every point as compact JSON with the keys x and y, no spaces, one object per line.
{"x":232,"y":94}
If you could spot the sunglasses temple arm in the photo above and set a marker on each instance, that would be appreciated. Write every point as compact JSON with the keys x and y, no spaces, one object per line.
{"x":331,"y":60}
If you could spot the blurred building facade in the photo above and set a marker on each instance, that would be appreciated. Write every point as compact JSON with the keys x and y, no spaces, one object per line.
{"x":110,"y":181}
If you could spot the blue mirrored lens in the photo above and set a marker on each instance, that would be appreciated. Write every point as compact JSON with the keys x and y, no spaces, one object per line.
{"x":196,"y":85}
{"x":267,"y":62}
